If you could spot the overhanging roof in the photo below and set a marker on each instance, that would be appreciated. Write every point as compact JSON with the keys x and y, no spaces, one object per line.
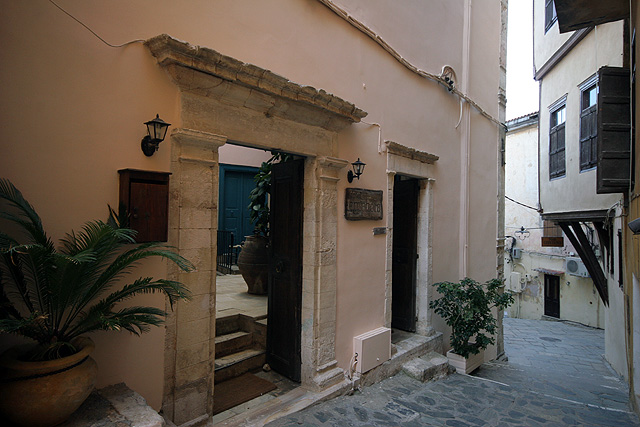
{"x":576,"y":14}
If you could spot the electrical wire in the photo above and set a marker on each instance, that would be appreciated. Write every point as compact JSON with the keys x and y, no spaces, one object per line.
{"x":93,"y":32}
{"x":521,"y":204}
{"x":380,"y":41}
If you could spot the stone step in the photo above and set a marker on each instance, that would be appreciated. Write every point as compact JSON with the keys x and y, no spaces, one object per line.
{"x":236,"y":364}
{"x":431,"y":366}
{"x":227,"y":325}
{"x":232,"y":343}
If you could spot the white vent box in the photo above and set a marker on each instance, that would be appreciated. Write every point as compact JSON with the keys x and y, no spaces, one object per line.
{"x":373,"y":348}
{"x":576,"y":267}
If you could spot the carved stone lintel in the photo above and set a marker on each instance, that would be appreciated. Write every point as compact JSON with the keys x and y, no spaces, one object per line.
{"x":288,"y":100}
{"x":410,"y":153}
{"x":198,"y":138}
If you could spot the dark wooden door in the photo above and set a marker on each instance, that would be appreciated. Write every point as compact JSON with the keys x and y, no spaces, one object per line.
{"x":285,"y":269}
{"x":405,"y":254}
{"x":551,"y":295}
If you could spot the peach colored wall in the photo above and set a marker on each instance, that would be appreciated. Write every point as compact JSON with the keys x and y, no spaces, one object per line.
{"x":90,"y":101}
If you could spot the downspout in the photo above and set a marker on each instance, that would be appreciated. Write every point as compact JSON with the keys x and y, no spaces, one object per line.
{"x":465,"y":142}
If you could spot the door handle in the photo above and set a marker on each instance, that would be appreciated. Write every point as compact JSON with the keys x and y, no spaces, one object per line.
{"x":279,"y":267}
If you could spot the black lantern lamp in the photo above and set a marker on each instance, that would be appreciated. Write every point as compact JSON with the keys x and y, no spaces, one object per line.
{"x":156,"y":131}
{"x":358,"y":168}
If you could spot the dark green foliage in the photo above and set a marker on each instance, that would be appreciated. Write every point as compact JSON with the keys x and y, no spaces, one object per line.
{"x":466,"y":307}
{"x":259,"y":196}
{"x":54,"y":295}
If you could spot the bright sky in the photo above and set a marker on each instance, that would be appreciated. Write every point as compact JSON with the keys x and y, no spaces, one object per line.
{"x":522,"y":89}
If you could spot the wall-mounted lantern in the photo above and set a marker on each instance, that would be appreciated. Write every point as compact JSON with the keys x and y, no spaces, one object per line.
{"x":523,"y":233}
{"x":156,"y":131}
{"x":358,"y":168}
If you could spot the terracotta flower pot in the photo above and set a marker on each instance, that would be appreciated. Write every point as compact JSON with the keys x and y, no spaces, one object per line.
{"x":42,"y":394}
{"x":253,"y":263}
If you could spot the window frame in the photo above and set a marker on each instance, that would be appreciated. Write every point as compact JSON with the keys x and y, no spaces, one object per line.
{"x":557,"y":132}
{"x":550,"y":15}
{"x":589,"y":120}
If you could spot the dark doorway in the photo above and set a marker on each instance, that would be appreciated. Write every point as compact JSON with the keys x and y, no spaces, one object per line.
{"x":285,"y":269}
{"x":236,"y":182}
{"x":551,"y":295}
{"x":405,"y":253}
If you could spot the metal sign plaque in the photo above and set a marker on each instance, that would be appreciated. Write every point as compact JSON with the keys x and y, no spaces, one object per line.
{"x":361,"y":204}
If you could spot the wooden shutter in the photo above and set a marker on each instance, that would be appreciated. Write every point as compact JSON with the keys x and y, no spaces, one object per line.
{"x":556,"y":151}
{"x":614,"y":131}
{"x":588,"y":137}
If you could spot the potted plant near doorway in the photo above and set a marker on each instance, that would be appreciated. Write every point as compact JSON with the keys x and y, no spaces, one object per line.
{"x":466,"y":306}
{"x":53,"y":297}
{"x":253,"y":261}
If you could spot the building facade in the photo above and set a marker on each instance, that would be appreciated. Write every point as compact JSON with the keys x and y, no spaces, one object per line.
{"x":540,"y":275}
{"x":582,"y":47}
{"x":326,"y":82}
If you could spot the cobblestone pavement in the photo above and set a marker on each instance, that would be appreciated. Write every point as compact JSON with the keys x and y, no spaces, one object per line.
{"x":555,"y":376}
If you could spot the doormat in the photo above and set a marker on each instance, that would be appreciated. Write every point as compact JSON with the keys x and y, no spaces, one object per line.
{"x":235,"y":391}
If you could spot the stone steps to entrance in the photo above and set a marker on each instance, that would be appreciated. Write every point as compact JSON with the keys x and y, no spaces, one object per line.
{"x":238,"y":363}
{"x":431,"y":366}
{"x":233,"y":342}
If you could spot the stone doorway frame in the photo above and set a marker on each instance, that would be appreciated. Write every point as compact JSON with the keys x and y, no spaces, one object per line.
{"x":222,"y":100}
{"x":402,"y":160}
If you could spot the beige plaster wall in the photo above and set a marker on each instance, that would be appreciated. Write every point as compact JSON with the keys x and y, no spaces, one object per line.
{"x":545,"y":43}
{"x":603,"y":46}
{"x":72,"y":109}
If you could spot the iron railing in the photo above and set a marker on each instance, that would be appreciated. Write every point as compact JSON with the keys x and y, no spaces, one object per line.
{"x":227,"y":255}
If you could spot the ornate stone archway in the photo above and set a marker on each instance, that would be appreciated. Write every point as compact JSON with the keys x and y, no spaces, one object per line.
{"x":224,"y":99}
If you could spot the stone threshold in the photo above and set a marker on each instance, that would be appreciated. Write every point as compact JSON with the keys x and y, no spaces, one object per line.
{"x":405,"y":347}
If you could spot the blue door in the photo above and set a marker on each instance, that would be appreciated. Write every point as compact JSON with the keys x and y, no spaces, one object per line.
{"x":236,"y":182}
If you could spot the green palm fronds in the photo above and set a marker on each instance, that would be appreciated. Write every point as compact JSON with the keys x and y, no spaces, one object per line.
{"x":54,"y":295}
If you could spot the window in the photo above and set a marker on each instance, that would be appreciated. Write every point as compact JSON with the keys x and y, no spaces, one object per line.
{"x":556,"y":142}
{"x":552,"y":235}
{"x":589,"y":128}
{"x":549,"y":14}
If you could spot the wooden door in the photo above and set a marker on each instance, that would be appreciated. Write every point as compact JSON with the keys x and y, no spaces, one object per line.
{"x":235,"y":185}
{"x":285,"y":269}
{"x":551,"y":295}
{"x":405,"y":254}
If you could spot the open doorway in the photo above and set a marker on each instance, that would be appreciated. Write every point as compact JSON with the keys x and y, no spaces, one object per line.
{"x":405,"y":253}
{"x":258,"y":343}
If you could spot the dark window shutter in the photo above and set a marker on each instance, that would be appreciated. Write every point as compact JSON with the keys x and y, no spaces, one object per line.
{"x":614,"y":131}
{"x":588,"y":137}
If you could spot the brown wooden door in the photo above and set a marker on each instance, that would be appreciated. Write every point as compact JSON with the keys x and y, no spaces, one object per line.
{"x":551,"y":295}
{"x":405,"y":254}
{"x":285,"y":269}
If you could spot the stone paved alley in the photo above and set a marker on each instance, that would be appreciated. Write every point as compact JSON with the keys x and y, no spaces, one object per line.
{"x":555,"y":376}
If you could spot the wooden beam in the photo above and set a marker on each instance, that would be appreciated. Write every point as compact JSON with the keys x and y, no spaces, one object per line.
{"x":574,"y":232}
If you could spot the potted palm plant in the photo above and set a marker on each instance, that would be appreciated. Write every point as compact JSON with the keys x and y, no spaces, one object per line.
{"x":466,"y":306}
{"x":55,"y":296}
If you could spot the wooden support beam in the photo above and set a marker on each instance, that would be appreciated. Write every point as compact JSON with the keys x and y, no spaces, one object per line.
{"x":574,"y":232}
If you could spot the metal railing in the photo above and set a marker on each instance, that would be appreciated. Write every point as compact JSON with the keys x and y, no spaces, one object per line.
{"x":227,"y":255}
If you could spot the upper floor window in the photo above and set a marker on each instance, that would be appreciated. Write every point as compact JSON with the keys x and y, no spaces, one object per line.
{"x":589,"y":127}
{"x":549,"y":14}
{"x":556,"y":142}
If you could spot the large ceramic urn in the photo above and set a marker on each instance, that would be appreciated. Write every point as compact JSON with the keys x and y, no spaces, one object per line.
{"x":253,"y":263}
{"x":44,"y":394}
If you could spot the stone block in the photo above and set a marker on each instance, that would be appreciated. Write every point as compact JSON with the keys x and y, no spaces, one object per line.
{"x":429,"y":367}
{"x":202,"y":258}
{"x":195,"y":238}
{"x":191,"y":217}
{"x":190,"y":333}
{"x":192,"y":355}
{"x":193,"y":373}
{"x":198,"y":308}
{"x":190,"y":403}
